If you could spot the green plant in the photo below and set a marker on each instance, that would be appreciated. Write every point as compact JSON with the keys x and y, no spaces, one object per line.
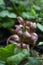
{"x":30,"y":10}
{"x":12,"y":55}
{"x":24,"y":38}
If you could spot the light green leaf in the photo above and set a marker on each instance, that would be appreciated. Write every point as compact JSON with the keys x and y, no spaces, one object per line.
{"x":40,"y":43}
{"x":1,"y":2}
{"x":36,"y":7}
{"x":12,"y":15}
{"x":2,"y":63}
{"x":40,"y":26}
{"x":29,"y":15}
{"x":7,"y":14}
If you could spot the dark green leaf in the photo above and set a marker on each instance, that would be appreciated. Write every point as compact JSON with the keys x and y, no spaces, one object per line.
{"x":8,"y":24}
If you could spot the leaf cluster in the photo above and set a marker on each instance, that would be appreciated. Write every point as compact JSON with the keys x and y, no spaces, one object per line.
{"x":31,"y":10}
{"x":11,"y":55}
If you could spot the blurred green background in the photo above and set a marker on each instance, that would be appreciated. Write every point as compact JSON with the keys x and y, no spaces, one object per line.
{"x":28,"y":9}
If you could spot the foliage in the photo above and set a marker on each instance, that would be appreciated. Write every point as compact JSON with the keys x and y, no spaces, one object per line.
{"x":12,"y":8}
{"x":40,"y":43}
{"x":11,"y":55}
{"x":33,"y":61}
{"x":6,"y":52}
{"x":32,"y":10}
{"x":40,"y":26}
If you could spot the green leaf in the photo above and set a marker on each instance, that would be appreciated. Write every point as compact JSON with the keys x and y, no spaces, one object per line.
{"x":13,"y":54}
{"x":7,"y":14}
{"x":40,"y":26}
{"x":6,"y":52}
{"x":1,"y":2}
{"x":39,"y":20}
{"x":29,"y":15}
{"x":40,"y":43}
{"x":16,"y":59}
{"x":12,"y":15}
{"x":2,"y":63}
{"x":21,"y":2}
{"x":8,"y":24}
{"x":33,"y":61}
{"x":36,"y":7}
